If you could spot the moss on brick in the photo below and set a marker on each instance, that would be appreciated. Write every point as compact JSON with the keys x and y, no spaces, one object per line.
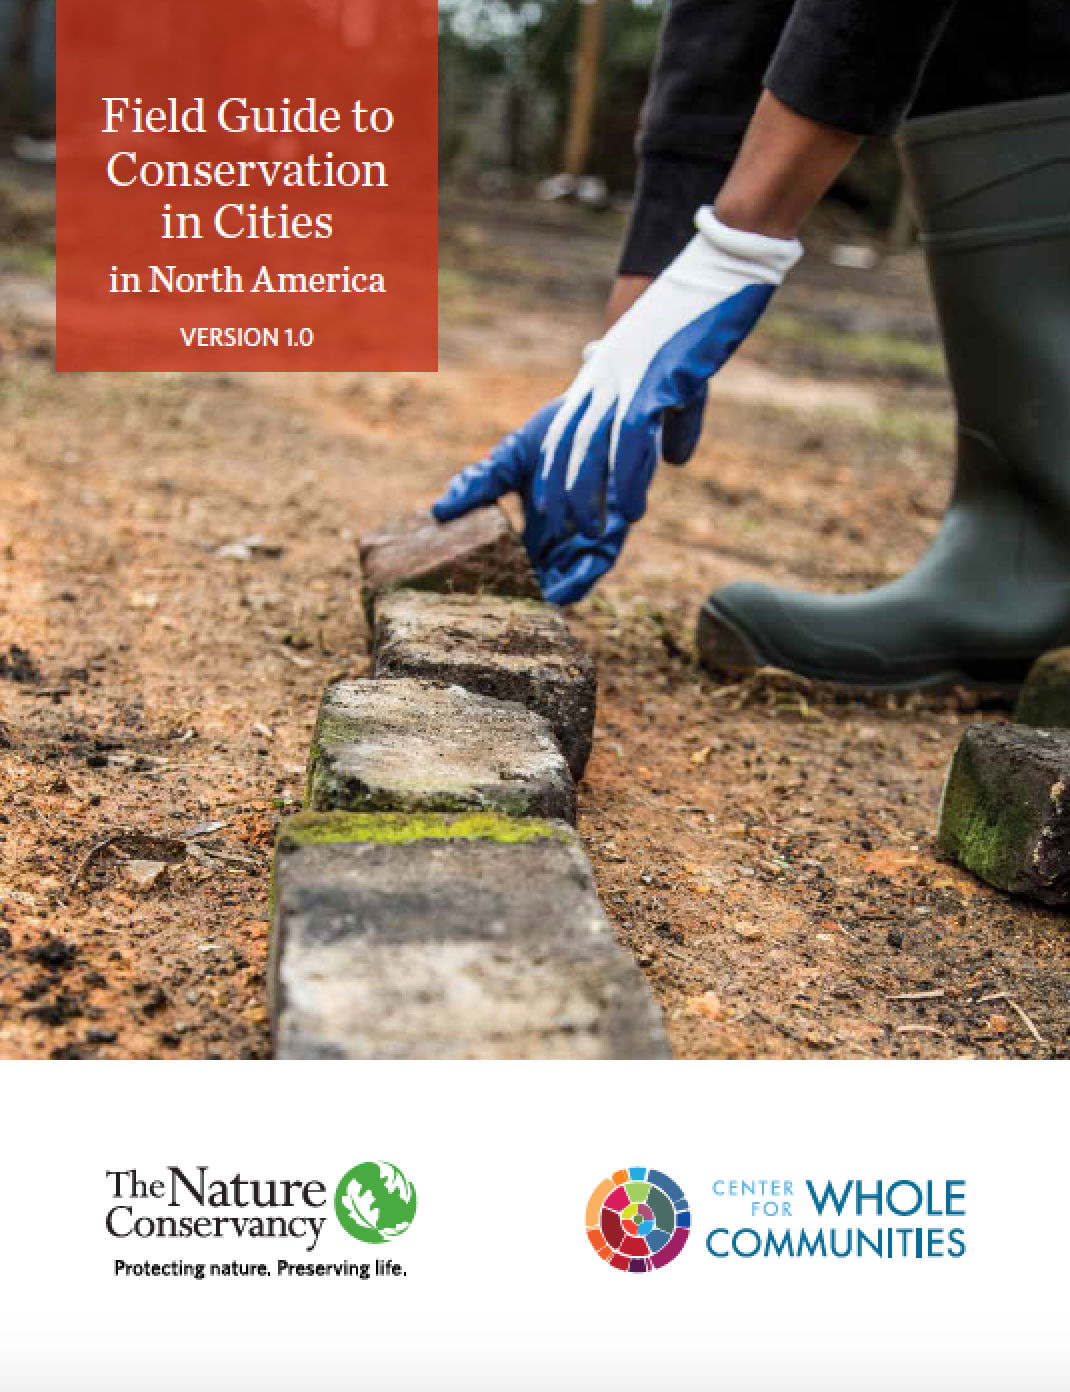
{"x":330,"y":730}
{"x":1045,"y":698}
{"x":402,"y":828}
{"x":336,"y":729}
{"x":990,"y":832}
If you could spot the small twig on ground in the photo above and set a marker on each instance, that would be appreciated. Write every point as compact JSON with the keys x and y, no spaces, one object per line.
{"x":205,"y":854}
{"x":167,"y":767}
{"x":109,"y":840}
{"x":920,"y":1029}
{"x":1028,"y":1023}
{"x":919,"y":996}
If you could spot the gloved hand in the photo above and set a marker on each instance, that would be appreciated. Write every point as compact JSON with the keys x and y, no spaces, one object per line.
{"x":602,"y":447}
{"x":681,"y":426}
{"x":568,"y":565}
{"x":681,"y":430}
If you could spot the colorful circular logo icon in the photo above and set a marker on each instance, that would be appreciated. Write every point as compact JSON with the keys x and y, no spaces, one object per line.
{"x":375,"y":1202}
{"x":638,"y":1220}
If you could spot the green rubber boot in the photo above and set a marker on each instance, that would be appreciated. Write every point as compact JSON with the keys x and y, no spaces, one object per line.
{"x":992,"y":190}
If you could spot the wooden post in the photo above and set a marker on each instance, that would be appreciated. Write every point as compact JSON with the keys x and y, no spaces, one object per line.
{"x":27,"y":18}
{"x":585,"y":86}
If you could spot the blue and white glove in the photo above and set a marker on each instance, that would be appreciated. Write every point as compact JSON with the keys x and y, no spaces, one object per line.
{"x":602,"y":448}
{"x":568,"y":565}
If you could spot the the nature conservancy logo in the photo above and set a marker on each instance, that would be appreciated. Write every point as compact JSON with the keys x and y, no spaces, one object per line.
{"x":374,"y":1202}
{"x":638,"y":1220}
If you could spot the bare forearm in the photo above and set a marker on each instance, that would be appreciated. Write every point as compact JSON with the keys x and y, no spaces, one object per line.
{"x":785,"y":167}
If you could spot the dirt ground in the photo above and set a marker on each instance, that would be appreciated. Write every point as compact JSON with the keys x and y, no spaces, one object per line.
{"x":178,"y":580}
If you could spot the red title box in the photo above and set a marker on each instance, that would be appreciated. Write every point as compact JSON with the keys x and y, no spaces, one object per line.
{"x":248,"y":185}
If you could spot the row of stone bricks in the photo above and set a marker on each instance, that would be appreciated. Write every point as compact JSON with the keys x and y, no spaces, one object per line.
{"x":434,"y":901}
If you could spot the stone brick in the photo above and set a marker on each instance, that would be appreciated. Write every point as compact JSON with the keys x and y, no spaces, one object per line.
{"x":407,"y":745}
{"x":512,"y":649}
{"x":434,"y":937}
{"x":1006,"y":810}
{"x":477,"y":554}
{"x":1044,"y":700}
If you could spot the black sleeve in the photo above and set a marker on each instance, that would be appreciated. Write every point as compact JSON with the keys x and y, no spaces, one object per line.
{"x":853,"y":64}
{"x":707,"y":78}
{"x":857,"y":64}
{"x":706,"y":82}
{"x":668,"y":191}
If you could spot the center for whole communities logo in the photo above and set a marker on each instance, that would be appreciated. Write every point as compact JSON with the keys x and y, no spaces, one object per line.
{"x":374,"y":1202}
{"x":638,"y":1220}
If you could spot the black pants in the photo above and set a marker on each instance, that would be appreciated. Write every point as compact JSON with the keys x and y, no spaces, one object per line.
{"x":859,"y":65}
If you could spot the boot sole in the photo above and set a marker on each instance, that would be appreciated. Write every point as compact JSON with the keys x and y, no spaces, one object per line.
{"x":723,"y":647}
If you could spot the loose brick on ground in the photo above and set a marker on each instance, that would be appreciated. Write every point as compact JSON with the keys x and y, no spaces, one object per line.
{"x":1006,"y":810}
{"x":1044,"y":700}
{"x":477,"y":554}
{"x":512,"y":649}
{"x":426,"y":936}
{"x":407,"y":745}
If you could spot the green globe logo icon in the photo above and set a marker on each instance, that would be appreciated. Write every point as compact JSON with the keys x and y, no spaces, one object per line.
{"x":375,"y":1202}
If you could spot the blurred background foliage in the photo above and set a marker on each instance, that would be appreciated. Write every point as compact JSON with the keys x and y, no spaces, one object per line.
{"x":507,"y":70}
{"x":507,"y":73}
{"x":27,"y":65}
